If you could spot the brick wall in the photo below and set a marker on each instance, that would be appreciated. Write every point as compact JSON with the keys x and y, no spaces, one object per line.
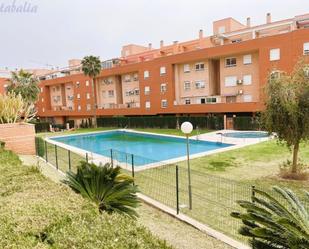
{"x":19,"y":137}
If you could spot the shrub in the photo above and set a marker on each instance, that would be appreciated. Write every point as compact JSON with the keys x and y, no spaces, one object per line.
{"x":2,"y":144}
{"x":275,"y":221}
{"x":40,"y":146}
{"x":105,"y":186}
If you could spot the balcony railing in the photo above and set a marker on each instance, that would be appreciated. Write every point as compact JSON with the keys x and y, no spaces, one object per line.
{"x":119,"y":106}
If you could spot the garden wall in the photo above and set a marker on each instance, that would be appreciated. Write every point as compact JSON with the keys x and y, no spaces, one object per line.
{"x":19,"y":137}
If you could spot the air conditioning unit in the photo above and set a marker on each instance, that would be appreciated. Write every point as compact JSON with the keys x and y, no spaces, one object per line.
{"x":239,"y":82}
{"x":240,"y":92}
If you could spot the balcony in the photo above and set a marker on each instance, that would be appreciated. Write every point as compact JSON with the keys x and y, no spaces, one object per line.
{"x":119,"y":106}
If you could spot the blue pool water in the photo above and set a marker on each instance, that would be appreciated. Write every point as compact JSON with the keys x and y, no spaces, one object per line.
{"x":246,"y":134}
{"x":145,"y":147}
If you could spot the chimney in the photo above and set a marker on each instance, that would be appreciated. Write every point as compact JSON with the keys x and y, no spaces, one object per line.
{"x":200,"y":34}
{"x":150,"y":46}
{"x":248,"y":22}
{"x":268,"y":18}
{"x":161,"y":43}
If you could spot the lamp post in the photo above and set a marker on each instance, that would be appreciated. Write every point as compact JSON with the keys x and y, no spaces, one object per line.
{"x":187,"y":128}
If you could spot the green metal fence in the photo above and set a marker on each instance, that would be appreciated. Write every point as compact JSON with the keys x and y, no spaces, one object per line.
{"x":213,"y":198}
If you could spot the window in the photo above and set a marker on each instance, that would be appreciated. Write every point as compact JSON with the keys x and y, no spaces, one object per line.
{"x":163,"y":103}
{"x":247,"y":98}
{"x":187,"y":101}
{"x":199,"y":66}
{"x":162,"y":70}
{"x":274,"y":54}
{"x":127,"y":78}
{"x":247,"y":79}
{"x":163,"y":88}
{"x":88,"y":95}
{"x":230,"y":81}
{"x":306,"y":48}
{"x":87,"y":82}
{"x":146,"y":74}
{"x":221,"y":29}
{"x":88,"y":107}
{"x":275,"y":74}
{"x":41,"y":89}
{"x":77,"y":84}
{"x":147,"y":104}
{"x":78,"y":96}
{"x":230,"y":99}
{"x":247,"y":59}
{"x":230,"y":62}
{"x":136,"y":91}
{"x":186,"y":68}
{"x":199,"y":84}
{"x":110,"y":93}
{"x":236,"y":40}
{"x":54,"y":89}
{"x":147,"y":90}
{"x":203,"y":100}
{"x":135,"y":77}
{"x":79,"y":107}
{"x":210,"y":100}
{"x":187,"y":85}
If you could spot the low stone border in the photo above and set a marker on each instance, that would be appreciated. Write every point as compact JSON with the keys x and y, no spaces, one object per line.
{"x":200,"y":226}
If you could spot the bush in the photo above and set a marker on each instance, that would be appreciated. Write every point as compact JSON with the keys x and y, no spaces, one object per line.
{"x":106,"y":186}
{"x":2,"y":145}
{"x":41,"y":126}
{"x":277,"y":220}
{"x":40,"y":146}
{"x":246,"y":123}
{"x":208,"y":122}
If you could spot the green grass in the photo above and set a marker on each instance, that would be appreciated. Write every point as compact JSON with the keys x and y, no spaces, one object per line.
{"x":213,"y":196}
{"x":219,"y":180}
{"x":38,"y":213}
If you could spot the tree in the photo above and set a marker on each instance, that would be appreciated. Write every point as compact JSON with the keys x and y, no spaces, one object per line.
{"x":91,"y":67}
{"x":106,"y":186}
{"x":26,"y":85}
{"x":287,"y":108}
{"x":278,"y":221}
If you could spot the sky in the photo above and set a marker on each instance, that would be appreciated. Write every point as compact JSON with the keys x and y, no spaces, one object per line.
{"x":59,"y":30}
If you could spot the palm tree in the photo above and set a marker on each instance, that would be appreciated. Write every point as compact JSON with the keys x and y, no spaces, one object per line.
{"x":106,"y":186}
{"x":91,"y":66}
{"x":278,"y":221}
{"x":25,"y":84}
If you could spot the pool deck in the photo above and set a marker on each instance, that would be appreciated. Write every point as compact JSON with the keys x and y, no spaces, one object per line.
{"x":215,"y":136}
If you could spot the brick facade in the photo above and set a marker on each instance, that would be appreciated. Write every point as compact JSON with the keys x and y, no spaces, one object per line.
{"x":19,"y":137}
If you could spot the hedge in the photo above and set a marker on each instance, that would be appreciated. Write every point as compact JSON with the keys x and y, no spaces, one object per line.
{"x":208,"y":122}
{"x":41,"y":126}
{"x":247,"y":123}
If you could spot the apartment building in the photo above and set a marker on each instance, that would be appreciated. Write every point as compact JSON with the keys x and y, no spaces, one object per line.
{"x":221,"y":74}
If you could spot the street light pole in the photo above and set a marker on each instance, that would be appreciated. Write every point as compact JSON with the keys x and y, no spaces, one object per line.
{"x":187,"y":128}
{"x":189,"y":174}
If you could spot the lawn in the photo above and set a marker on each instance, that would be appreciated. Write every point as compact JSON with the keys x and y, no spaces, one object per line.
{"x":219,"y":180}
{"x":38,"y":213}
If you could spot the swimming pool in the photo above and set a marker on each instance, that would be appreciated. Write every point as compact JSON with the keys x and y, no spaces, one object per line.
{"x":142,"y":146}
{"x":246,"y":134}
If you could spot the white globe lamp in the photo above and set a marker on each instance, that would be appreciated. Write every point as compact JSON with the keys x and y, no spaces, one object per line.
{"x":186,"y":127}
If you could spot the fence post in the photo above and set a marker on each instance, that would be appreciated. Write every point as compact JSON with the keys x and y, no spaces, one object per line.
{"x":132,"y":164}
{"x":56,"y":155}
{"x":253,"y":201}
{"x":87,"y":157}
{"x":177,"y":190}
{"x":69,"y":158}
{"x":112,"y":160}
{"x":46,"y":157}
